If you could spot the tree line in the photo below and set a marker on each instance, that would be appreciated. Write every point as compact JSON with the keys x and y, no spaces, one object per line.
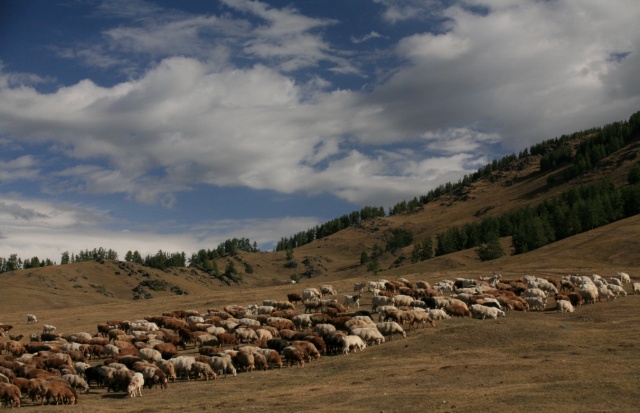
{"x":575,"y":211}
{"x":329,"y":227}
{"x":595,"y":144}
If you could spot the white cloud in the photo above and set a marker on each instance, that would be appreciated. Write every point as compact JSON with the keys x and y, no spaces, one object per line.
{"x":517,"y":74}
{"x":524,"y":71}
{"x":399,"y":10}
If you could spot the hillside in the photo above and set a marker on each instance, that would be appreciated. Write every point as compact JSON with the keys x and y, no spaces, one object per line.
{"x":524,"y":362}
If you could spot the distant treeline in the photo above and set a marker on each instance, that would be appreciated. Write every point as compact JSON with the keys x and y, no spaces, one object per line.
{"x":578,"y":210}
{"x":329,"y":227}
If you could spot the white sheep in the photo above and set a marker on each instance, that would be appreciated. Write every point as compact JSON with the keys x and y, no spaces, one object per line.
{"x":327,"y":290}
{"x":536,"y":303}
{"x":31,"y":319}
{"x":403,"y":300}
{"x":222,"y":365}
{"x":438,"y":314}
{"x":370,"y":335}
{"x":135,"y":385}
{"x":564,"y":306}
{"x":76,"y":382}
{"x":624,"y":277}
{"x":381,"y":300}
{"x":616,"y":281}
{"x":389,"y":328}
{"x":150,"y":354}
{"x":617,"y":290}
{"x":352,"y":342}
{"x":636,"y":288}
{"x":311,"y":294}
{"x":534,"y":292}
{"x":48,"y":328}
{"x":481,"y":311}
{"x":183,"y":365}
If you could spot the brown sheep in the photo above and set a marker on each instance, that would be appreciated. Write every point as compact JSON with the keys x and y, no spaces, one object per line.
{"x":245,"y":361}
{"x":10,"y":395}
{"x":293,"y":355}
{"x":167,"y":350}
{"x":294,"y":297}
{"x":456,"y":310}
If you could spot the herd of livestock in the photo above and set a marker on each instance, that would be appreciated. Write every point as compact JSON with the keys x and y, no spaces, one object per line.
{"x":182,"y":345}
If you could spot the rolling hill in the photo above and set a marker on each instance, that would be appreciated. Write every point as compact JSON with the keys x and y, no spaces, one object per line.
{"x":582,"y":361}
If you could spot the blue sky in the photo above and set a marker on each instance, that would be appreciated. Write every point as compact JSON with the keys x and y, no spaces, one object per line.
{"x":175,"y":125}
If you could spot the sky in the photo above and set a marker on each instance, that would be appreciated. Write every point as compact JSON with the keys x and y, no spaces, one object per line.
{"x":175,"y":125}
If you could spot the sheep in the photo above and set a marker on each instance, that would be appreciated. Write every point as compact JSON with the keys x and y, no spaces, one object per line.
{"x":327,"y":290}
{"x":482,"y":312}
{"x":48,"y":328}
{"x":352,"y":342}
{"x":182,"y":365}
{"x":389,"y":328}
{"x":536,"y":303}
{"x":204,"y":370}
{"x":616,"y":281}
{"x":535,"y":292}
{"x":10,"y":395}
{"x":352,"y":299}
{"x":61,"y":392}
{"x":311,"y":294}
{"x":564,"y":306}
{"x":293,"y":355}
{"x":402,"y":300}
{"x":309,"y":350}
{"x":271,"y":356}
{"x":135,"y":385}
{"x":294,"y":297}
{"x":119,"y":380}
{"x":154,"y":376}
{"x":438,"y":314}
{"x":150,"y":354}
{"x":310,"y":306}
{"x":302,"y":321}
{"x":617,"y":290}
{"x":76,"y":382}
{"x":245,"y":361}
{"x":370,"y":335}
{"x":31,"y":319}
{"x":421,"y":317}
{"x":589,"y":293}
{"x":456,"y":310}
{"x":359,"y":287}
{"x":265,"y":309}
{"x":381,"y":300}
{"x":167,"y":368}
{"x":636,"y":288}
{"x":624,"y":277}
{"x":222,"y":365}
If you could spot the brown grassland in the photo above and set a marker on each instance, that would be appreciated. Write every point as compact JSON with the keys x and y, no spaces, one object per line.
{"x":587,"y":361}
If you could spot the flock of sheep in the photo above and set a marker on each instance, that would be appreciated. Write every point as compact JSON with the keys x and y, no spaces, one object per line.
{"x":125,"y":356}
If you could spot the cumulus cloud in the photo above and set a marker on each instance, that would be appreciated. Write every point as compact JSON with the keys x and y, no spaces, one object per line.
{"x":526,"y":71}
{"x":245,"y":99}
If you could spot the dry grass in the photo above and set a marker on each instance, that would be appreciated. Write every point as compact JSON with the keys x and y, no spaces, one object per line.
{"x":526,"y":362}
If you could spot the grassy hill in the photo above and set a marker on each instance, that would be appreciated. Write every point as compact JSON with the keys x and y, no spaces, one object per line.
{"x":524,"y":362}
